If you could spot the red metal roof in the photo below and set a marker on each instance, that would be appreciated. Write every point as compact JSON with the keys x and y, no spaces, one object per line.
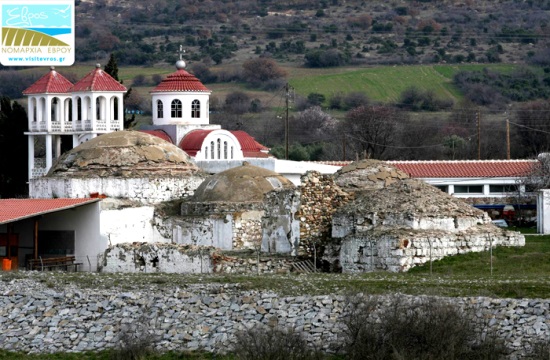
{"x":158,"y":133}
{"x":465,"y":169}
{"x":98,"y":80}
{"x":250,"y":147}
{"x":18,"y":209}
{"x":51,"y":83}
{"x":192,"y":141}
{"x":181,"y":80}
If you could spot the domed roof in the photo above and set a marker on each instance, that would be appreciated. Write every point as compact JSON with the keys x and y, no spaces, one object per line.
{"x":180,"y":81}
{"x":246,"y":183}
{"x":368,"y":175}
{"x":124,"y":154}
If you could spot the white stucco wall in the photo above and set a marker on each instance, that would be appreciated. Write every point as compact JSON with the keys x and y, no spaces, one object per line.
{"x":84,"y":220}
{"x":133,"y":224}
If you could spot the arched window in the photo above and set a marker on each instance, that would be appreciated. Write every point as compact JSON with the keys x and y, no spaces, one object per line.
{"x":225,"y":149}
{"x":206,"y":152}
{"x":176,"y":109}
{"x":115,"y":108}
{"x":212,"y":150}
{"x":196,"y":109}
{"x":232,"y":156}
{"x":160,"y":109}
{"x":219,"y":148}
{"x":79,"y":109}
{"x":54,"y":109}
{"x":98,"y":109}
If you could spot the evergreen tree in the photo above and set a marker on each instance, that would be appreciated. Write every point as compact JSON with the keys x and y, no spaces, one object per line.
{"x":13,"y":149}
{"x":112,"y":68}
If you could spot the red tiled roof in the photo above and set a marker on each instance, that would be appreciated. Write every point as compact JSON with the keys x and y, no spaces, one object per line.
{"x":51,"y":83}
{"x":98,"y":80}
{"x":192,"y":141}
{"x":465,"y":169}
{"x":158,"y":133}
{"x":181,"y":80}
{"x":19,"y":209}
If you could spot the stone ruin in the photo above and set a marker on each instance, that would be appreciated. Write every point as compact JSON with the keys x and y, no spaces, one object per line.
{"x":407,"y":223}
{"x":246,"y":207}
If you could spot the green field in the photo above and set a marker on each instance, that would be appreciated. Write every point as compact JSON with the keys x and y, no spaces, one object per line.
{"x":385,"y":83}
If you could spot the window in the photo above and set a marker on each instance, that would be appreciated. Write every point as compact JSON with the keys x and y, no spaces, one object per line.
{"x":468,"y":189}
{"x":502,"y":189}
{"x":225,"y":149}
{"x":219,"y":148}
{"x":160,"y":109}
{"x":176,"y":109}
{"x":196,"y":109}
{"x":79,"y":109}
{"x":443,"y":188}
{"x":212,"y":150}
{"x":206,"y":152}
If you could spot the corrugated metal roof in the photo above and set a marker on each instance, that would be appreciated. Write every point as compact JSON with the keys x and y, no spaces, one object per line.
{"x":51,"y":83}
{"x":18,"y":209}
{"x":182,"y":81}
{"x":465,"y":169}
{"x":98,"y":80}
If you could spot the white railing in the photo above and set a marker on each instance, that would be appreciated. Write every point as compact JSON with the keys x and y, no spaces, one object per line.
{"x":87,"y":124}
{"x":101,"y":125}
{"x":34,"y":126}
{"x":67,"y":126}
{"x":56,"y":126}
{"x":115,"y":126}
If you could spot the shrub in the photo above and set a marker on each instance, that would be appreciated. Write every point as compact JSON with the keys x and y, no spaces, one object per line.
{"x":264,"y":343}
{"x":425,"y":328}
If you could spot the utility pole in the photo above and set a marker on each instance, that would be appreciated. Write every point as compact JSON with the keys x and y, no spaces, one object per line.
{"x":478,"y":135}
{"x":288,"y":88}
{"x":507,"y":139}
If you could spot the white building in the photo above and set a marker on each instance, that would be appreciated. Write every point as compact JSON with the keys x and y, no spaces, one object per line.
{"x":59,"y":111}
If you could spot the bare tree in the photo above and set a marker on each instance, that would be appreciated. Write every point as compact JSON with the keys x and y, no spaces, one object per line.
{"x":369,"y":130}
{"x":531,"y":120}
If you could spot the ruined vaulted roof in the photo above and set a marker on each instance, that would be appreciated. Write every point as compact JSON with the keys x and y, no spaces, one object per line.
{"x":367,"y":175}
{"x":246,"y":183}
{"x":124,"y":154}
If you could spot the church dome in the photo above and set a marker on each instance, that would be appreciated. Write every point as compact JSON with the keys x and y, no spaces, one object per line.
{"x":124,"y":154}
{"x":180,"y":81}
{"x":246,"y":183}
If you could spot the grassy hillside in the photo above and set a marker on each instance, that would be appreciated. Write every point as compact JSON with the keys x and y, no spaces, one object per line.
{"x":384,"y":83}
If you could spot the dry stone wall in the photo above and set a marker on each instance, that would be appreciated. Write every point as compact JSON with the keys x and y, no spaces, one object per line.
{"x":38,"y":319}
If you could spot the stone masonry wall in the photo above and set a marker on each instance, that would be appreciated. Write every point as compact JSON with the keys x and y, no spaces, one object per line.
{"x":398,"y":252}
{"x":188,"y":259}
{"x":143,"y":190}
{"x":206,"y":316}
{"x":320,"y":199}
